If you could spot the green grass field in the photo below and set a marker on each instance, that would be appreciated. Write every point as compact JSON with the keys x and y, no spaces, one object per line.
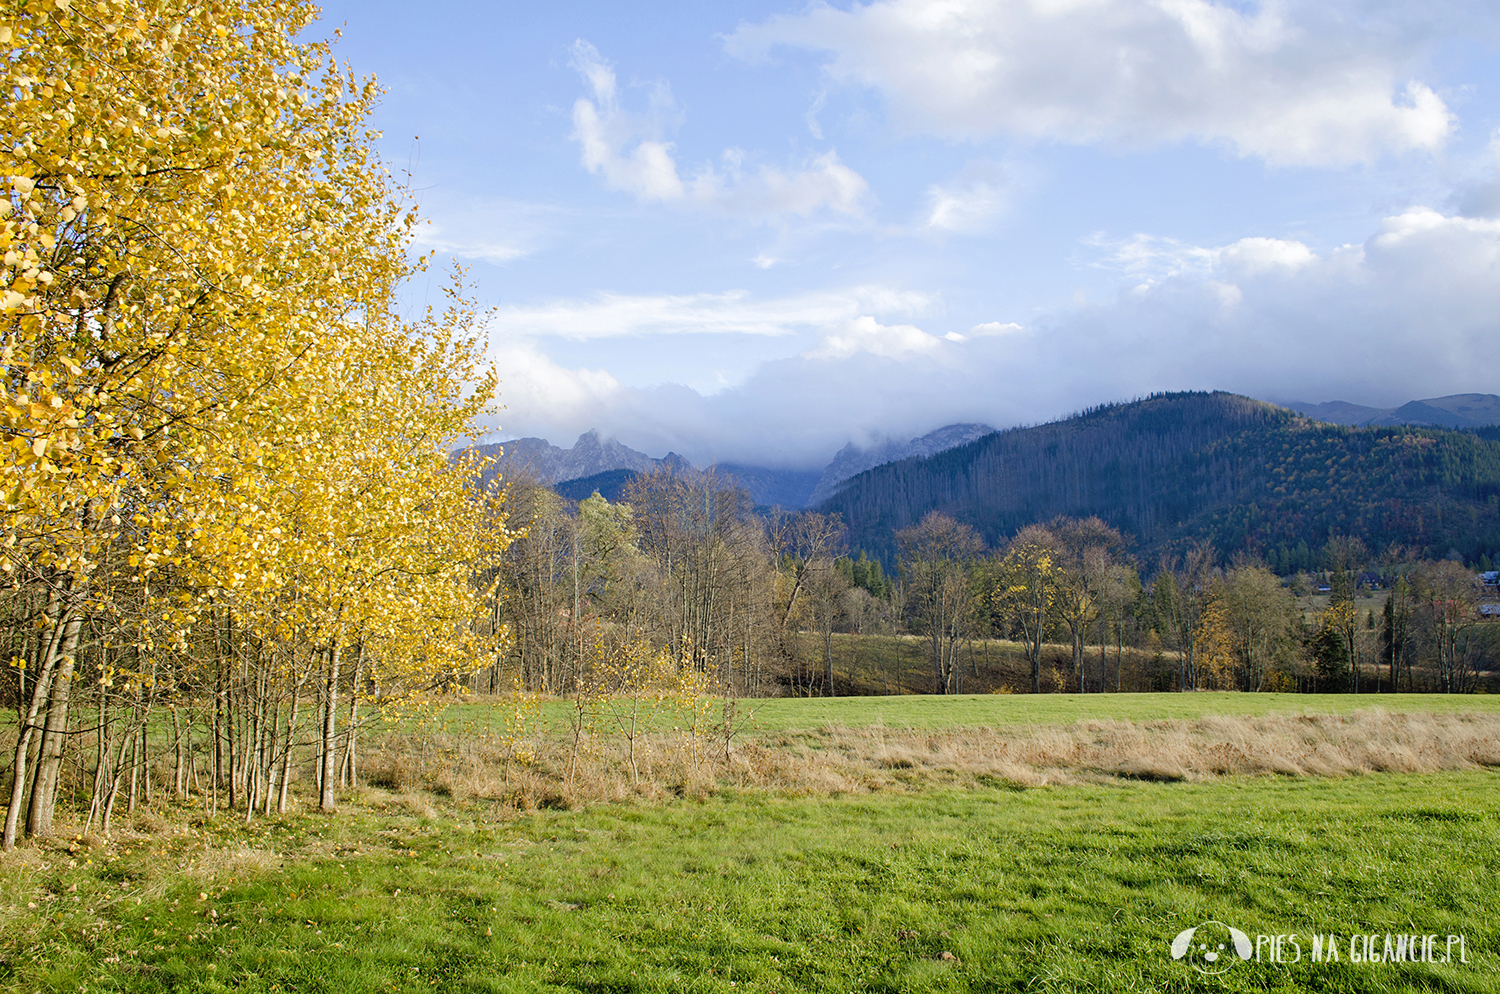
{"x":915,"y":883}
{"x":968,"y":710}
{"x":1061,"y":889}
{"x":998,"y":710}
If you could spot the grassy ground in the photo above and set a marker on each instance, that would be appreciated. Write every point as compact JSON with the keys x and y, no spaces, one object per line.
{"x":968,"y":710}
{"x":1001,"y":710}
{"x":1059,"y":889}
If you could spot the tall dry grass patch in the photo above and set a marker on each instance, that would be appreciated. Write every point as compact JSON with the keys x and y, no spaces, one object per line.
{"x":837,"y":760}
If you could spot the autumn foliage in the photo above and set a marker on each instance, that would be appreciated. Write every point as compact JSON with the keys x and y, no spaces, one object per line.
{"x":225,"y":481}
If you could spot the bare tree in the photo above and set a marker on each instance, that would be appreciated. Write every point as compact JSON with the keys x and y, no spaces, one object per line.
{"x":710,"y":553}
{"x":825,"y":597}
{"x":1259,"y":611}
{"x":935,"y":557}
{"x":1449,"y":609}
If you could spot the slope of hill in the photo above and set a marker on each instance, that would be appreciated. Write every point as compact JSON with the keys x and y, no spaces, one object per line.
{"x":766,"y":487}
{"x":609,"y":484}
{"x":786,"y":488}
{"x":1236,"y":472}
{"x":852,"y":460}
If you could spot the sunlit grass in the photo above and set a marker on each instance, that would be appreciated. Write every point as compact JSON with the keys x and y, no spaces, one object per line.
{"x":1077,"y":888}
{"x":999,"y":710}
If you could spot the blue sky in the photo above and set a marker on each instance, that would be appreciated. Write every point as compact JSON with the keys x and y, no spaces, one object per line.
{"x":757,"y":231}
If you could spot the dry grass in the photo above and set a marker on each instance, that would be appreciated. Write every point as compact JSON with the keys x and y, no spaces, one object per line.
{"x":838,"y":760}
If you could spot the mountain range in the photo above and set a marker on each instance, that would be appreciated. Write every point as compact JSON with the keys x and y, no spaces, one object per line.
{"x":1460,"y":410}
{"x":540,"y":460}
{"x":604,"y":464}
{"x":1241,"y":474}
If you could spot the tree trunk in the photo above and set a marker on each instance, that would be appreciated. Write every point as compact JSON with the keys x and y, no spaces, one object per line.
{"x":54,"y":736}
{"x":1078,"y":658}
{"x":350,"y":767}
{"x":116,"y":776}
{"x":291,"y":731}
{"x":179,"y":779}
{"x":41,"y":689}
{"x":330,"y":731}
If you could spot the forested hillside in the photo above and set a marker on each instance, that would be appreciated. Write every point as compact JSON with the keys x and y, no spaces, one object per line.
{"x":1176,"y":468}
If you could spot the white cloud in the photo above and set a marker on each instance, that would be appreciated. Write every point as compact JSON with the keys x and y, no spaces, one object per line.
{"x":865,"y":334}
{"x":1256,"y":255}
{"x":629,"y":152}
{"x":604,"y":129}
{"x":1407,"y":314}
{"x":1151,"y":256}
{"x":1317,"y":82}
{"x":487,"y":229}
{"x":969,"y":203}
{"x":770,"y":192}
{"x":537,"y":391}
{"x":1154,"y":257}
{"x":496,"y":253}
{"x":989,"y":328}
{"x":734,"y":312}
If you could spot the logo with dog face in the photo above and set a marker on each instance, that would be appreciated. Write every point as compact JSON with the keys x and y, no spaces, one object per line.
{"x":1212,"y":947}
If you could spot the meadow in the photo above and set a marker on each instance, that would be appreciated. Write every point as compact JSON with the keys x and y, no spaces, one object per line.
{"x":970,"y":844}
{"x":931,"y":711}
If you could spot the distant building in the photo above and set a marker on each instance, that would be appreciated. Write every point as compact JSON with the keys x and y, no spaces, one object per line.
{"x":1491,"y":578}
{"x":1489,"y":610}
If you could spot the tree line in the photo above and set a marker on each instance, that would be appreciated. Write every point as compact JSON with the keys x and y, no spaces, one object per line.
{"x":683,"y":562}
{"x":1363,"y":622}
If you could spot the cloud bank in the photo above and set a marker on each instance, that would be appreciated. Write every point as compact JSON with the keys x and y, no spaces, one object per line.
{"x":1413,"y":311}
{"x":1292,"y":83}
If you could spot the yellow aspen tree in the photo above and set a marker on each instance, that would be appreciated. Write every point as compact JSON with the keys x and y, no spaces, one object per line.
{"x":1027,"y":581}
{"x":1215,"y":646}
{"x":193,"y":220}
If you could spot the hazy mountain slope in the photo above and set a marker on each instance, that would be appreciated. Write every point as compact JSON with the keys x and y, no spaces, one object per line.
{"x":791,"y":489}
{"x":610,"y":485}
{"x":1339,"y":412}
{"x":785,"y":488}
{"x":1237,"y":472}
{"x":852,"y":460}
{"x":1479,"y":408}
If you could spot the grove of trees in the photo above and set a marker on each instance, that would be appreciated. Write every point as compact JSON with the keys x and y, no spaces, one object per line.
{"x":755,"y":602}
{"x":229,"y":508}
